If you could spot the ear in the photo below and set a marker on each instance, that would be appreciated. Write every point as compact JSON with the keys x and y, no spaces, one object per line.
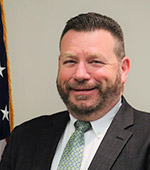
{"x":59,"y":61}
{"x":125,"y":66}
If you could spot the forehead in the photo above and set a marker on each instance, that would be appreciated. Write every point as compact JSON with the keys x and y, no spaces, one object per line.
{"x":93,"y":41}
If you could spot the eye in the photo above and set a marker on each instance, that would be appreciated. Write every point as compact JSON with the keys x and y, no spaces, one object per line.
{"x":69,"y":62}
{"x":96,"y":62}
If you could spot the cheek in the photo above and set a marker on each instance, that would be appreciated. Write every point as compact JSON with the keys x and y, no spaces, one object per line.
{"x":101,"y":75}
{"x":64,"y":74}
{"x":105,"y":76}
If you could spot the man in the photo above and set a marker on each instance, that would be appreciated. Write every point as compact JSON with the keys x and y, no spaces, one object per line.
{"x":93,"y":68}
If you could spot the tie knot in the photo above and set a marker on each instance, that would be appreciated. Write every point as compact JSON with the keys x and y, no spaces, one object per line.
{"x":83,"y":126}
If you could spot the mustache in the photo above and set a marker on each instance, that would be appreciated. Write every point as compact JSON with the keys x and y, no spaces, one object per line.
{"x":82,"y":85}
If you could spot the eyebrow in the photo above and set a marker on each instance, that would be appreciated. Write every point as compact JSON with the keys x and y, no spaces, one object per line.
{"x":71,"y":55}
{"x":67,"y":55}
{"x":97,"y":56}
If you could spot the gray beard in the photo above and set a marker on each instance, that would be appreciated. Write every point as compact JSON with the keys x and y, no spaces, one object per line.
{"x":105,"y":99}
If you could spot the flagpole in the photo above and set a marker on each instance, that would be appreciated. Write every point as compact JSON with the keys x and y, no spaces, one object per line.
{"x":11,"y":111}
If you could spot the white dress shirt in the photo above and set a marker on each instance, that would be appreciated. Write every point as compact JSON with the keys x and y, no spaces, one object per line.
{"x":93,"y":137}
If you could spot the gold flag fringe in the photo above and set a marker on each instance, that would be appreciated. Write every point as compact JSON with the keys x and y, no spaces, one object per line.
{"x":11,"y":111}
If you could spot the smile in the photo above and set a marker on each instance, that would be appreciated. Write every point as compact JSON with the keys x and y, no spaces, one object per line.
{"x":83,"y":91}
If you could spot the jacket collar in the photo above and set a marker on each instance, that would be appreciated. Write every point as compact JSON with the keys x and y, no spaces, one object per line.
{"x":115,"y":139}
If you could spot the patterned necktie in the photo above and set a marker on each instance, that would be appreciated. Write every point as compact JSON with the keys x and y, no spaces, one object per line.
{"x":72,"y":156}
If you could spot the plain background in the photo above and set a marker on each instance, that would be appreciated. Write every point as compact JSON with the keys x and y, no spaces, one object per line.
{"x":33,"y":31}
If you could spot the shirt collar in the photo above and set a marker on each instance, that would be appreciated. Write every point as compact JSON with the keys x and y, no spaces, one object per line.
{"x":101,"y":125}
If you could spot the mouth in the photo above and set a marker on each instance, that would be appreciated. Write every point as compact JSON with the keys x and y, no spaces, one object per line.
{"x":83,"y":91}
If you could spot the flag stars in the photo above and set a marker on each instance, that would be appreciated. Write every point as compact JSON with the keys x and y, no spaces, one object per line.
{"x":5,"y":113}
{"x":1,"y":69}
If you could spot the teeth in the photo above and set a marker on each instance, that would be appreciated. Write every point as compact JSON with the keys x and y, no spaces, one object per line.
{"x":83,"y":89}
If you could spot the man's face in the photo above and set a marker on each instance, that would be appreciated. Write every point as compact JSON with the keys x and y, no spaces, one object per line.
{"x":90,"y":77}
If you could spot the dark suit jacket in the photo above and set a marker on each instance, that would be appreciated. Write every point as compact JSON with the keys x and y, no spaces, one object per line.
{"x":126,"y":145}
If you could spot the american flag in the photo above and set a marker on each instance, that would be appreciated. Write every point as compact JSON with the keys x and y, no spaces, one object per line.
{"x":6,"y":121}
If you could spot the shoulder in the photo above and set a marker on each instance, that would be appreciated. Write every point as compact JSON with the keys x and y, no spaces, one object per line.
{"x":41,"y":123}
{"x":141,"y":119}
{"x":129,"y":116}
{"x":126,"y":107}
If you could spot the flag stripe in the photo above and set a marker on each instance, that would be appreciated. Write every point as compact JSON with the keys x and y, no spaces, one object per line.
{"x":2,"y":146}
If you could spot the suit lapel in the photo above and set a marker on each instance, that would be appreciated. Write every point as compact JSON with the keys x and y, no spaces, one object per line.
{"x":115,"y":139}
{"x":112,"y":144}
{"x":47,"y":144}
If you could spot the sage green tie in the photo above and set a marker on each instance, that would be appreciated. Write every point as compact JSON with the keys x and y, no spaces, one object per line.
{"x":72,"y":156}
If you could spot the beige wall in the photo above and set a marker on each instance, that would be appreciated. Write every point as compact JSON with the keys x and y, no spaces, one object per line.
{"x":34,"y":28}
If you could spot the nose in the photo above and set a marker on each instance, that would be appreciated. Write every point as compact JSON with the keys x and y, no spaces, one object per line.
{"x":81,"y":72}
